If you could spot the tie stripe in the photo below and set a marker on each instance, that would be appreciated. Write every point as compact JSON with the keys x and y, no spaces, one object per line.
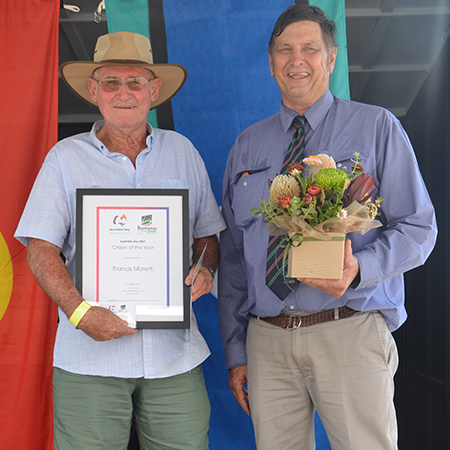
{"x":274,"y":265}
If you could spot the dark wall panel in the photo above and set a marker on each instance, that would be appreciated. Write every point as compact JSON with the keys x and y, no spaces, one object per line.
{"x":423,"y":379}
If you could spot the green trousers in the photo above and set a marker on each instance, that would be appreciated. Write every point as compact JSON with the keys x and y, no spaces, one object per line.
{"x":95,"y":413}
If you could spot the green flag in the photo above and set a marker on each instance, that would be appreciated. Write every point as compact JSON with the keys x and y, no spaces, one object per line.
{"x":132,"y":16}
{"x":335,"y":11}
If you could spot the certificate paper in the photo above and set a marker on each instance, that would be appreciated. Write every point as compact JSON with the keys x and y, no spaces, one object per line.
{"x":133,"y":254}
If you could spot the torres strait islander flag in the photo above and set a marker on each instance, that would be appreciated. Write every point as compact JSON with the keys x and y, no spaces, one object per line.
{"x":28,"y":128}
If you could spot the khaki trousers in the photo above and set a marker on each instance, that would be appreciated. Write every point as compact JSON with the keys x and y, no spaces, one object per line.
{"x":343,"y":368}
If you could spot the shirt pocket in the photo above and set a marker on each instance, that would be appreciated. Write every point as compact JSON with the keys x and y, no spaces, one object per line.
{"x":346,"y":164}
{"x":250,"y":187}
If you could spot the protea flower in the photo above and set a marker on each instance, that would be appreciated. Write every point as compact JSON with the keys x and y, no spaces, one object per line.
{"x":360,"y":189}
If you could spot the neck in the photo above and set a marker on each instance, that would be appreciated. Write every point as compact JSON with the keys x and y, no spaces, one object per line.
{"x":129,"y":143}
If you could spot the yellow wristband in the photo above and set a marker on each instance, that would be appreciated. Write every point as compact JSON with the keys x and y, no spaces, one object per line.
{"x":79,"y":313}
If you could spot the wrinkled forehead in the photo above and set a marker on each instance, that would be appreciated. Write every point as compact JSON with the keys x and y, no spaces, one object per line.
{"x":122,"y":71}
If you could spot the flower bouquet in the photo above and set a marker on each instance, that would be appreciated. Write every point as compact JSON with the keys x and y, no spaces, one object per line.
{"x":317,"y":208}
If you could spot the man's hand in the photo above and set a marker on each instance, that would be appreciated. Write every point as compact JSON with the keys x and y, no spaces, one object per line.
{"x":337,"y":288}
{"x":52,"y":275}
{"x":237,"y":380}
{"x":203,"y":283}
{"x":103,"y":325}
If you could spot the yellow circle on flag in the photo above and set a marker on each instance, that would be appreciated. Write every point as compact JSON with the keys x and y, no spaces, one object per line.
{"x":6,"y":276}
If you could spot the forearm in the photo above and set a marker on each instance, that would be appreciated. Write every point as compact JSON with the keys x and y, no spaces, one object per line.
{"x":211,"y":257}
{"x":52,"y":275}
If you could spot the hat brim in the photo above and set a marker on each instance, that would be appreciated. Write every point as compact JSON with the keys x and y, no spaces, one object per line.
{"x":77,"y":73}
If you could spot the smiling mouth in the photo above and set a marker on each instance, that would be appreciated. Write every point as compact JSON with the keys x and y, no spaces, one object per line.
{"x":298,"y":74}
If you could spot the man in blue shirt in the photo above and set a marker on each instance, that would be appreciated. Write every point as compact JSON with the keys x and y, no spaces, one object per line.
{"x":326,"y":346}
{"x":104,"y":370}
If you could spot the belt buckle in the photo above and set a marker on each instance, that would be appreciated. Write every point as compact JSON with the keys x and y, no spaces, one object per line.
{"x":299,"y":322}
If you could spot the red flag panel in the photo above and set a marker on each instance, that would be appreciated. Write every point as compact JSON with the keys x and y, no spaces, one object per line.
{"x":28,"y":128}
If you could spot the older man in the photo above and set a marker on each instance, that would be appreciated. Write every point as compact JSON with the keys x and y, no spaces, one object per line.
{"x":105,"y":371}
{"x":324,"y":344}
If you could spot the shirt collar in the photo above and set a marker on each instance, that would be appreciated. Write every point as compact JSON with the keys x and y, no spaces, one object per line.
{"x":314,"y":114}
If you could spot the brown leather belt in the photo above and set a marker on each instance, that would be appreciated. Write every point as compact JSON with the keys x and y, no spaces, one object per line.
{"x":291,"y":321}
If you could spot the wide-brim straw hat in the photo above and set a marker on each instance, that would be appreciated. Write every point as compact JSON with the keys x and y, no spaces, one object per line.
{"x":123,"y":49}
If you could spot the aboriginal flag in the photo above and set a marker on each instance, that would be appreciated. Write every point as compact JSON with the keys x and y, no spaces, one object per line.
{"x":28,"y":128}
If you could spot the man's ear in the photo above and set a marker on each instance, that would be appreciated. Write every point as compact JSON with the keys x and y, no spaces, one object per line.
{"x":270,"y":63}
{"x":332,"y":61}
{"x":92,"y":84}
{"x":155,"y":87}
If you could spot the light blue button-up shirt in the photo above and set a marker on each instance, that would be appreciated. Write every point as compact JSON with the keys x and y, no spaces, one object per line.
{"x":82,"y":161}
{"x":338,"y":128}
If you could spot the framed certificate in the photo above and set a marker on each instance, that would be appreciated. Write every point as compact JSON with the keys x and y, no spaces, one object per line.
{"x":133,"y":254}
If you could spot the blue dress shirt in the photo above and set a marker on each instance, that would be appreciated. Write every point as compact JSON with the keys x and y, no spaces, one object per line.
{"x":338,"y":128}
{"x":82,"y":161}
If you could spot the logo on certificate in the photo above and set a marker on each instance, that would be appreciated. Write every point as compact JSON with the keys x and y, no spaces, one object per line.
{"x":146,"y":220}
{"x":120,"y":220}
{"x":146,"y":225}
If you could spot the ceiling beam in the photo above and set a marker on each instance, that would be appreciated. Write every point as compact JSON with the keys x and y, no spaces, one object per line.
{"x":376,"y":12}
{"x":391,"y":68}
{"x":80,"y":17}
{"x":79,"y":118}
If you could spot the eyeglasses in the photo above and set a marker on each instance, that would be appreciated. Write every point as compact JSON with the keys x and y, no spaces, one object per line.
{"x":112,"y":84}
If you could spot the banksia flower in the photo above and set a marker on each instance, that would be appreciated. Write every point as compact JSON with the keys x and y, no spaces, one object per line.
{"x":283,"y":186}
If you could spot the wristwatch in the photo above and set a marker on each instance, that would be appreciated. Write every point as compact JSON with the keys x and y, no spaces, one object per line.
{"x":209,"y":270}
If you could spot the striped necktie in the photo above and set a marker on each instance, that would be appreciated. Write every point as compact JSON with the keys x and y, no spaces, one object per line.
{"x":280,"y":285}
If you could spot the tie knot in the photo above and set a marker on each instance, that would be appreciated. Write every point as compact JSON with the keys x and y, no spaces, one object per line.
{"x":299,"y":122}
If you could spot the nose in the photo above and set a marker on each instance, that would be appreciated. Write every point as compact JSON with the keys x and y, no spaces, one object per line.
{"x":297,"y":57}
{"x":123,"y":90}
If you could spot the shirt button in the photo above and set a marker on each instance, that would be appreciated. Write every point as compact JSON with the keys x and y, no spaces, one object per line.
{"x":291,"y":307}
{"x":138,"y":185}
{"x":124,"y":158}
{"x":339,"y":164}
{"x":244,"y":183}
